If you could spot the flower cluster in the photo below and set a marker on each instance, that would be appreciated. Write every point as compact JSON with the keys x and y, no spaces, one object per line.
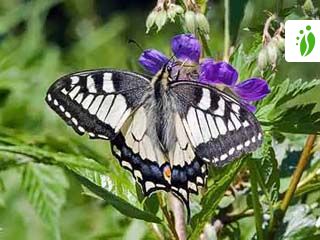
{"x":194,"y":19}
{"x":187,"y":51}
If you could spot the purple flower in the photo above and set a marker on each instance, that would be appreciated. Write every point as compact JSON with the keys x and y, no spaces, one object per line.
{"x":250,"y":90}
{"x":152,"y":60}
{"x":187,"y":50}
{"x":185,"y":47}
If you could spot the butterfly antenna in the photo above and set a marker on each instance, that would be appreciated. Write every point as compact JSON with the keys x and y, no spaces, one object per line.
{"x":131,"y":41}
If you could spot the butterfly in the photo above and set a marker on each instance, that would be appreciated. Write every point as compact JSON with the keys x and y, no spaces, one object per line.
{"x":166,"y":132}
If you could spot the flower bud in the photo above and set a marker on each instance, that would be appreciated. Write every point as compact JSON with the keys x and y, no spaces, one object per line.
{"x":190,"y":21}
{"x":308,"y":7}
{"x":280,"y":43}
{"x":262,"y":58}
{"x":173,"y":10}
{"x":202,"y":23}
{"x":272,"y":50}
{"x":151,"y":20}
{"x":161,"y":19}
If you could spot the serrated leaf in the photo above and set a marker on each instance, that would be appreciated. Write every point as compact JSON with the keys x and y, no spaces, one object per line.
{"x":120,"y":204}
{"x":213,"y":196}
{"x":42,"y":156}
{"x":46,"y":190}
{"x":118,"y":185}
{"x":295,"y":88}
{"x":285,"y":92}
{"x":306,"y":122}
{"x":276,"y":112}
{"x":267,"y":168}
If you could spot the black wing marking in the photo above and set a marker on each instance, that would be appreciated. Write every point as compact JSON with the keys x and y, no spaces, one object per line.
{"x":97,"y":101}
{"x":140,"y":154}
{"x":219,"y":127}
{"x":189,"y":172}
{"x":179,"y":171}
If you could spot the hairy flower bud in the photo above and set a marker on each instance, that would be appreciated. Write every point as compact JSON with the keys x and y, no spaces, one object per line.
{"x":202,"y":23}
{"x":308,"y":8}
{"x":280,"y":42}
{"x":151,"y":20}
{"x":263,"y":59}
{"x":272,"y":50}
{"x":173,"y":10}
{"x":190,"y":21}
{"x":161,"y":19}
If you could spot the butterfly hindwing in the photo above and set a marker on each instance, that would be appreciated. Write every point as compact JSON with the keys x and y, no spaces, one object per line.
{"x":97,"y":102}
{"x":140,"y":154}
{"x":219,"y":127}
{"x":179,"y":170}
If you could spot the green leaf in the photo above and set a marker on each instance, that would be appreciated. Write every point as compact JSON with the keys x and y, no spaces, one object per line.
{"x":237,"y":8}
{"x":118,"y":184}
{"x":42,"y":156}
{"x":211,"y":199}
{"x":293,"y":89}
{"x":311,"y":187}
{"x":278,"y":110}
{"x":120,"y":204}
{"x":4,"y":94}
{"x":46,"y":191}
{"x":267,"y":169}
{"x":306,"y":122}
{"x":2,"y":189}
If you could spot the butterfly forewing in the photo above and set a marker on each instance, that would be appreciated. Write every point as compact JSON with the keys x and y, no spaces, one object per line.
{"x":97,"y":102}
{"x":219,"y":127}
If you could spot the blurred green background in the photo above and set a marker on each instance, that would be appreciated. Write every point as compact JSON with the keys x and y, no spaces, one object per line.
{"x":40,"y":40}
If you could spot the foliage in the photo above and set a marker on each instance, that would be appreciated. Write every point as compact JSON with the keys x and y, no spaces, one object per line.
{"x":54,"y":184}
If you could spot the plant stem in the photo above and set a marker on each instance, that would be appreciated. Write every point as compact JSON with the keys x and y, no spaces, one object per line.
{"x":303,"y":161}
{"x":279,"y":5}
{"x":205,"y":45}
{"x":156,"y":230}
{"x":168,"y":217}
{"x":179,"y":216}
{"x":233,"y":217}
{"x":304,"y":158}
{"x":255,"y":200}
{"x":226,"y":30}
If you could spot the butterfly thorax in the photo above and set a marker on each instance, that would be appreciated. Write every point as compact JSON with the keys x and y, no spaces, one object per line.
{"x":160,"y":113}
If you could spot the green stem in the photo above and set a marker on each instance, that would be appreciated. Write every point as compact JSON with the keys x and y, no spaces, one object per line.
{"x":205,"y":45}
{"x":169,"y":218}
{"x":226,"y":30}
{"x":303,"y":161}
{"x":279,"y":5}
{"x":255,"y":200}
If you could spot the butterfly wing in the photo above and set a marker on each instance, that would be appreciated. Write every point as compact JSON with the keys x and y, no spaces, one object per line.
{"x":138,"y":152}
{"x":188,"y":170}
{"x":97,"y":102}
{"x":219,"y":127}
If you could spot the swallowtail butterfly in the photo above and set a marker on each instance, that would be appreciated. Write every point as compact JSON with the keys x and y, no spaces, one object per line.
{"x":166,"y":132}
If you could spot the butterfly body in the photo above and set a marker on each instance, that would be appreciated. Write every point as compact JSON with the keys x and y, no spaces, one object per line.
{"x":165,"y":132}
